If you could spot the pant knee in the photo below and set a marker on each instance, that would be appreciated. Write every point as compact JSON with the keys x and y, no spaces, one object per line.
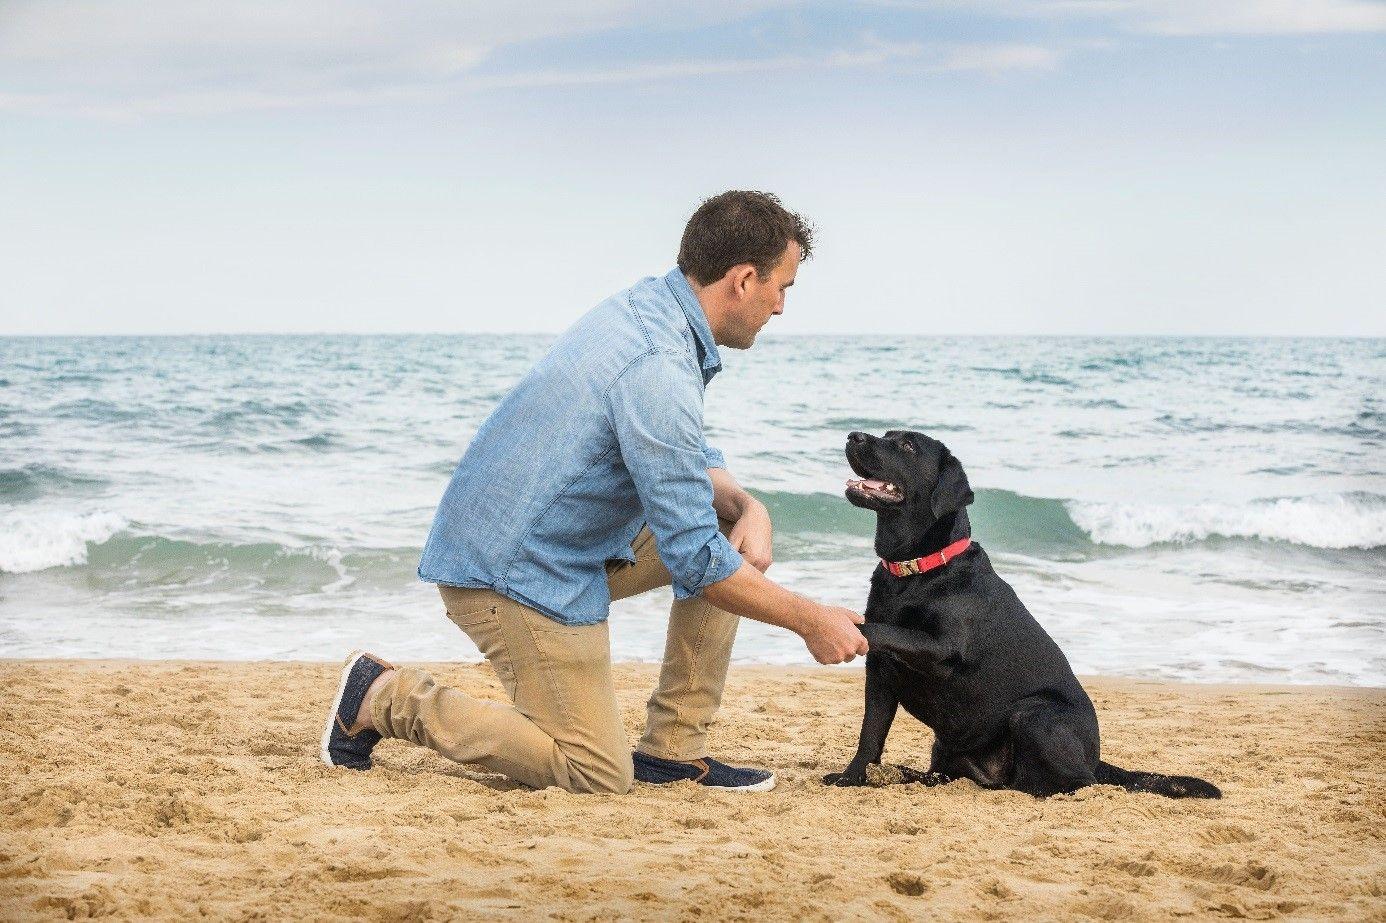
{"x":599,"y":773}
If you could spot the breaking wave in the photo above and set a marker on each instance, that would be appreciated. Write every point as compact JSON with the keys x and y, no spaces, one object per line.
{"x":1352,"y":520}
{"x":1044,"y":526}
{"x":36,"y":541}
{"x":1001,"y":519}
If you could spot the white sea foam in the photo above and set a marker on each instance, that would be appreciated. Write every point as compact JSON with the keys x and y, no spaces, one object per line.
{"x":330,"y":556}
{"x":31,"y":541}
{"x":279,"y":488}
{"x":1355,"y":520}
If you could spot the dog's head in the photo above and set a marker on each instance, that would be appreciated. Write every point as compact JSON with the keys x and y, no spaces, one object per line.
{"x":910,"y":481}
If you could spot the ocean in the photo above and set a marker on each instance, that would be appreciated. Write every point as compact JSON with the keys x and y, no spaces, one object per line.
{"x":1187,"y":509}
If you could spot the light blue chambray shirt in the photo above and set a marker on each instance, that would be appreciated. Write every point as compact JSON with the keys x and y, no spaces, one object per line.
{"x":603,"y":435}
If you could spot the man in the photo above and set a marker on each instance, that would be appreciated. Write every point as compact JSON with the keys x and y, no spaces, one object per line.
{"x":592,"y":481}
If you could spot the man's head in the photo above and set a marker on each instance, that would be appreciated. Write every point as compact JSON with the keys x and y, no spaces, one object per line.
{"x":740,"y":252}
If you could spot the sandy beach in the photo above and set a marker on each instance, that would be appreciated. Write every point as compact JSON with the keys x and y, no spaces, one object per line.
{"x":174,"y":789}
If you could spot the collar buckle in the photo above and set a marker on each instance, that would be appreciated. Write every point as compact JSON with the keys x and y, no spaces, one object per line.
{"x":928,"y":562}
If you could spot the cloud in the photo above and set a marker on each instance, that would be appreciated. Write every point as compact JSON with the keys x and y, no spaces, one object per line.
{"x":996,"y":58}
{"x":1185,"y":17}
{"x":870,"y":52}
{"x":117,"y":59}
{"x":130,"y":59}
{"x":195,"y":58}
{"x":1257,"y":17}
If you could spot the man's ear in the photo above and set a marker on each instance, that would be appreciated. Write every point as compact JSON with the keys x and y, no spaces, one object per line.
{"x":741,"y":275}
{"x":952,"y":492}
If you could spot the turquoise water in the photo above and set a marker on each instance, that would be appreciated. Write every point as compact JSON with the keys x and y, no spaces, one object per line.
{"x":1206,"y":509}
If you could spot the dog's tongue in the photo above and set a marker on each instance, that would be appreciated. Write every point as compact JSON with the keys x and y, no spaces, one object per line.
{"x":873,"y":484}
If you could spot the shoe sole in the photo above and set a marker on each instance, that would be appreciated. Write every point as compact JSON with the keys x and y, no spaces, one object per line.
{"x":762,"y":786}
{"x":336,"y":706}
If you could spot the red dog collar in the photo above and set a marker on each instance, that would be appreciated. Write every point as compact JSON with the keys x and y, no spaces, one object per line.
{"x":929,"y":562}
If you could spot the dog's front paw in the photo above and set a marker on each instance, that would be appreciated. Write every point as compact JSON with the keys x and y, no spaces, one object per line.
{"x":851,"y":777}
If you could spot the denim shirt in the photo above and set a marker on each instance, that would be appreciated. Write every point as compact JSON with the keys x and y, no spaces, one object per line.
{"x":603,"y":435}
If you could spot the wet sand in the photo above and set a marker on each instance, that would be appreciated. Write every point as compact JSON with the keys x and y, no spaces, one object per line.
{"x":166,"y":790}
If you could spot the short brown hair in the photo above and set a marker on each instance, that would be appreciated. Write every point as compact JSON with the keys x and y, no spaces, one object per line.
{"x":740,"y":227}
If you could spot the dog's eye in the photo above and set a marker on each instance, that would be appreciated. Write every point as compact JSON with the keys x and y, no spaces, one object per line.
{"x":908,"y":446}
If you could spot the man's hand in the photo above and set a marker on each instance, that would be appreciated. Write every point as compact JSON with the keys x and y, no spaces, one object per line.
{"x":832,"y":635}
{"x":752,"y":536}
{"x":830,"y":632}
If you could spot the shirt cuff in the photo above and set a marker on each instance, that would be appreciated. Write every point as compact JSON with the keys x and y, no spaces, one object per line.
{"x":714,"y":457}
{"x":723,"y":561}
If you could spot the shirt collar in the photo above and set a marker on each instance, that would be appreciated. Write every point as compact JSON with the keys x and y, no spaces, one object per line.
{"x":708,"y":356}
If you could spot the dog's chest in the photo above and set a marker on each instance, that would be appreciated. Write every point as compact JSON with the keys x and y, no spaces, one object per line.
{"x":922,"y":693}
{"x":910,"y":611}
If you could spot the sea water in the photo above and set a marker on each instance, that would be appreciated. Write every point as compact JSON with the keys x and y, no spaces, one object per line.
{"x":1195,"y":509}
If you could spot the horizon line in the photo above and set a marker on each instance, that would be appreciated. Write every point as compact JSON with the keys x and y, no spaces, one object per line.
{"x":780,"y":335}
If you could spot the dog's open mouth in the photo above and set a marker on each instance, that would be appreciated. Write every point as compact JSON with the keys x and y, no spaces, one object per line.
{"x":865,"y":487}
{"x":880,"y":491}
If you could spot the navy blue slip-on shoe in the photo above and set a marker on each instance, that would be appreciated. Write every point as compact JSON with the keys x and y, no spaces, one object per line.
{"x":340,"y":748}
{"x":705,"y":771}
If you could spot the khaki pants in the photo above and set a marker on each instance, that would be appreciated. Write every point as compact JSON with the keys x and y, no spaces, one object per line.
{"x":562,"y":726}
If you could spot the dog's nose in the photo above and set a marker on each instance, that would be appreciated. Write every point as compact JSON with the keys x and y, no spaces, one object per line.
{"x":855,"y":436}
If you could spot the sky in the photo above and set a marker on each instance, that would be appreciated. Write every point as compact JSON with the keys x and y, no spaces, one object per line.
{"x":971,"y":166}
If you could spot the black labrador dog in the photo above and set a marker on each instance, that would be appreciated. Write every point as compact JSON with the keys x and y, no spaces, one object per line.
{"x":953,"y":644}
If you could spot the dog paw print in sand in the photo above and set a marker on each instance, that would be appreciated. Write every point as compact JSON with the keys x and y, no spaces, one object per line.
{"x":354,"y":873}
{"x":1136,"y":868}
{"x":96,"y":901}
{"x":907,"y":883}
{"x":1225,"y":834}
{"x":1247,"y":875}
{"x":697,"y":823}
{"x":1109,"y":906}
{"x":1251,"y":875}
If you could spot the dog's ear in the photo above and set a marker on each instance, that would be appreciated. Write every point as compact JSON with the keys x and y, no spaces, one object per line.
{"x":952,"y":492}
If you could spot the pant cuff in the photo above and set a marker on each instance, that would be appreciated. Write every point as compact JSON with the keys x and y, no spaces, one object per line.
{"x":681,"y":756}
{"x":380,"y":705}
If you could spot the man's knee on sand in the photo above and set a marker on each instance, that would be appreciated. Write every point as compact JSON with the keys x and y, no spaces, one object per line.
{"x":596,"y":773}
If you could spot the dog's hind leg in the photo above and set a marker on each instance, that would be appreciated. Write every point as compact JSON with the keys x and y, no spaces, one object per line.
{"x":929,"y":778}
{"x":1055,"y":750}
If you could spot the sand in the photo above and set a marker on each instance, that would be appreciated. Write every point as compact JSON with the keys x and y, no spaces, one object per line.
{"x":168,"y":790}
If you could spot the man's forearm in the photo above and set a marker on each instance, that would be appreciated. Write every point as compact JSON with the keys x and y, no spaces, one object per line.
{"x":729,"y":498}
{"x":750,"y":593}
{"x":830,"y":632}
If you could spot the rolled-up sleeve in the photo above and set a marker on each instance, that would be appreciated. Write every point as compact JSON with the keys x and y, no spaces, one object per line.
{"x":712,"y":457}
{"x":656,"y":411}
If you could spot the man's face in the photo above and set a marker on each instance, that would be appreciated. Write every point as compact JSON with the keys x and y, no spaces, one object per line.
{"x":757,"y":300}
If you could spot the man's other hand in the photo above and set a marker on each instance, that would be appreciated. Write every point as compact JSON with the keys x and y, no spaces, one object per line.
{"x":752,"y":537}
{"x":833,"y":636}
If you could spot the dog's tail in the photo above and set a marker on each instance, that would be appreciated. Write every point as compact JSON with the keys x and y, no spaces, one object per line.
{"x":1155,"y":783}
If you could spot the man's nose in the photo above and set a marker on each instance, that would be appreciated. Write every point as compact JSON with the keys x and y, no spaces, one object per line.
{"x":855,"y":436}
